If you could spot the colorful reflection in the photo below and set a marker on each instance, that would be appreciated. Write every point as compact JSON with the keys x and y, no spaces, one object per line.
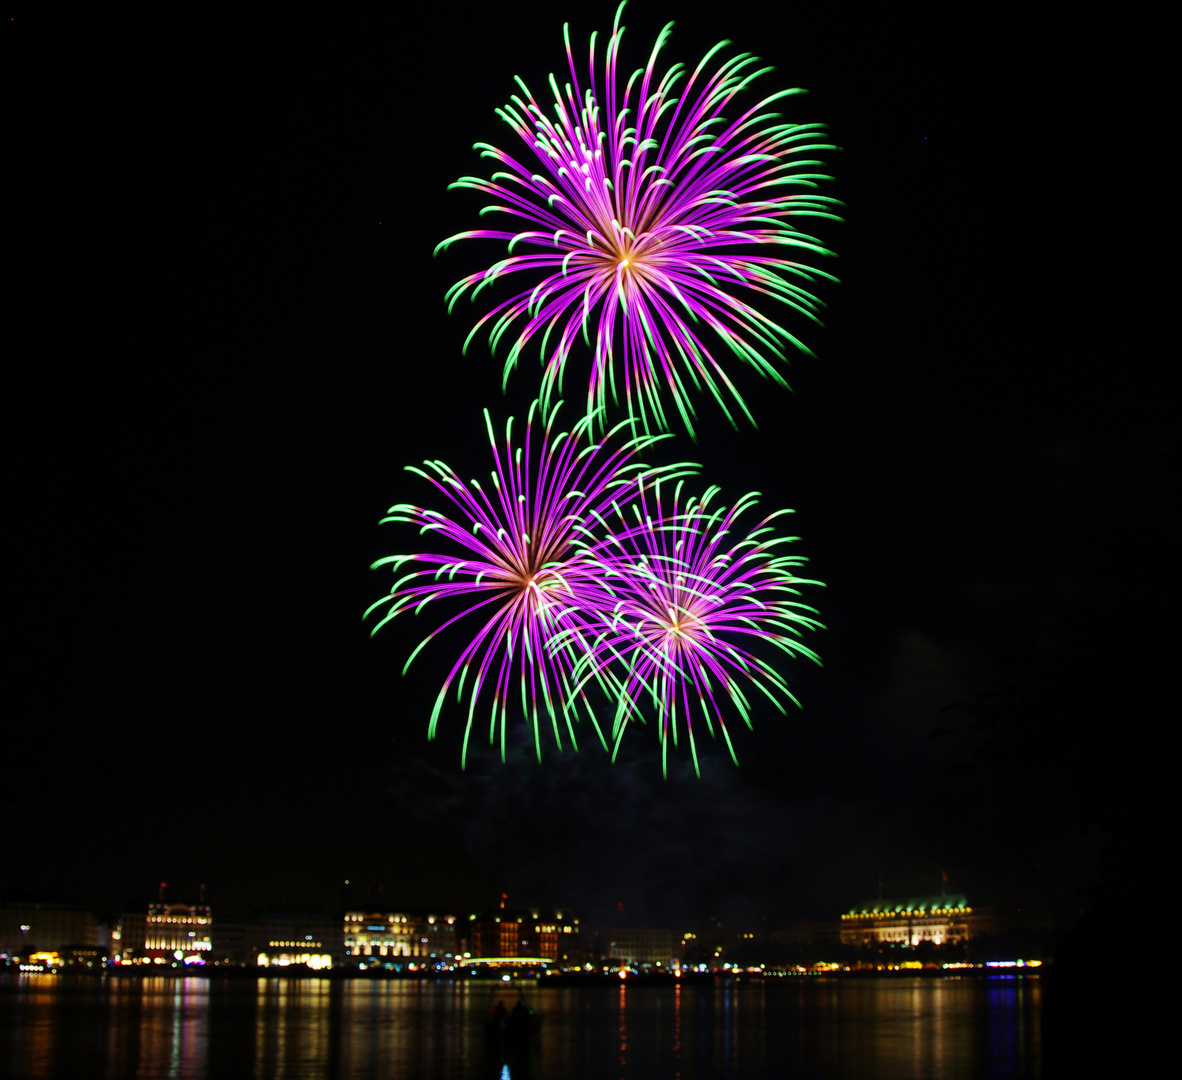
{"x":321,"y":1028}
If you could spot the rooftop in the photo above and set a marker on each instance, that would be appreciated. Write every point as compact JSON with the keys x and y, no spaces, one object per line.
{"x":920,"y":904}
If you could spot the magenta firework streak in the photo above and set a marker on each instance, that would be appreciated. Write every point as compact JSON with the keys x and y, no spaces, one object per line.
{"x":696,"y":601}
{"x":647,"y":216}
{"x":514,"y":557}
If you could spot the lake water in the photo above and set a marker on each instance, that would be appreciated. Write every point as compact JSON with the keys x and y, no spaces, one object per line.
{"x":321,"y":1029}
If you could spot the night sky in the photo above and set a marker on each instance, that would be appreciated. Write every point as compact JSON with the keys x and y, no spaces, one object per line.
{"x":241,"y":340}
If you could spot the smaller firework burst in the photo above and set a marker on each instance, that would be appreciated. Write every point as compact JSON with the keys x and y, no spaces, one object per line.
{"x":698,"y":610}
{"x":515,"y":557}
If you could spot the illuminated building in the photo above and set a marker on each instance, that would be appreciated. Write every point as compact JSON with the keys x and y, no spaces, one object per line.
{"x":376,"y":935}
{"x":283,"y":935}
{"x":482,"y":936}
{"x":173,"y":928}
{"x":164,"y":931}
{"x":524,"y":932}
{"x":307,"y":952}
{"x":26,"y":926}
{"x":940,"y":920}
{"x":558,"y":937}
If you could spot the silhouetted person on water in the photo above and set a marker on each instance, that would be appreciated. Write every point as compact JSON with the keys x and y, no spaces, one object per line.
{"x":517,"y":1026}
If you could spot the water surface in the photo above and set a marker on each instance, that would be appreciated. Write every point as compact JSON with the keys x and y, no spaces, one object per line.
{"x":321,"y":1029}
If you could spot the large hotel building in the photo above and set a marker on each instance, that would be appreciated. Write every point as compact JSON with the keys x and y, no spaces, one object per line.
{"x":940,"y":920}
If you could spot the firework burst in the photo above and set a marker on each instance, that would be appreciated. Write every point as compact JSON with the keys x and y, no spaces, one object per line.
{"x":692,"y":597}
{"x":515,"y":557}
{"x":647,"y":217}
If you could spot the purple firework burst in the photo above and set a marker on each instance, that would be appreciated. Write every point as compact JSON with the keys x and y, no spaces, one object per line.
{"x":515,"y":556}
{"x":646,"y":217}
{"x":694,"y":599}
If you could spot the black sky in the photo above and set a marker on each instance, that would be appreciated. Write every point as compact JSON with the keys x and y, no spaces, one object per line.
{"x":240,"y":340}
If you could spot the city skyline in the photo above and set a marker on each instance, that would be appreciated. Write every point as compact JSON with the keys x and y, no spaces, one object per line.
{"x":180,"y":934}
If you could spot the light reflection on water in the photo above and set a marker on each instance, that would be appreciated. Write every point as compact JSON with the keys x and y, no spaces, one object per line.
{"x":322,"y":1029}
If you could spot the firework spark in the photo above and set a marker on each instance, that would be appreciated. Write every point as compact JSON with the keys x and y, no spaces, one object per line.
{"x":517,"y":556}
{"x":692,"y":597}
{"x":648,"y":216}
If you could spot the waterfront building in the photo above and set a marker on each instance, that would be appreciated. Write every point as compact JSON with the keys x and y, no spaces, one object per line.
{"x":939,"y":920}
{"x":383,"y":936}
{"x":285,"y":934}
{"x":558,"y":937}
{"x":178,"y":928}
{"x":482,"y":936}
{"x":163,"y":930}
{"x":523,"y":932}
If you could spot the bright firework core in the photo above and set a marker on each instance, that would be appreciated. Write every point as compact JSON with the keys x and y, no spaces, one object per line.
{"x":536,"y":586}
{"x":681,"y":624}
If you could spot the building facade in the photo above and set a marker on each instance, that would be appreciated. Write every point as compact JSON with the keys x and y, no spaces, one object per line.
{"x":173,"y":928}
{"x":512,"y":933}
{"x":288,"y":934}
{"x":384,"y":936}
{"x":938,"y":920}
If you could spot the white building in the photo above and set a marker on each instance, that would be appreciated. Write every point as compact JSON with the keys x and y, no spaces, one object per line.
{"x":374,"y":936}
